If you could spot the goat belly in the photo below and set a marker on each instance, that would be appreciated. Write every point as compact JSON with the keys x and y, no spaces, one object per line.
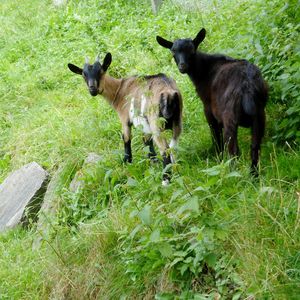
{"x":137,"y":117}
{"x":141,"y":121}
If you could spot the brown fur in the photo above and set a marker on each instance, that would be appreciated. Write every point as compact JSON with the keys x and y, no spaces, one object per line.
{"x":161,"y":99}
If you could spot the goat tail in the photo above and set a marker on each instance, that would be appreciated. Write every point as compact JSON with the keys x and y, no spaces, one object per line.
{"x":169,"y":104}
{"x":248,"y":104}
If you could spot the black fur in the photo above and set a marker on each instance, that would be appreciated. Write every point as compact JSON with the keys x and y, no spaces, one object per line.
{"x":233,"y":93}
{"x":128,"y":153}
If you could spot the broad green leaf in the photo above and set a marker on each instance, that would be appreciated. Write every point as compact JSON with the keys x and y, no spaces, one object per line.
{"x":201,"y":188}
{"x":221,"y":234}
{"x":166,"y":249}
{"x":132,"y":182}
{"x":192,"y":205}
{"x":155,"y":235}
{"x":237,"y":296}
{"x":183,"y":268}
{"x":180,"y":253}
{"x":211,"y":260}
{"x":212,"y":171}
{"x":135,"y":231}
{"x":233,"y":174}
{"x":146,"y":215}
{"x":175,"y":261}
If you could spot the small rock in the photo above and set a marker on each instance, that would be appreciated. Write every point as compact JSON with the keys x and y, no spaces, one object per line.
{"x":77,"y":182}
{"x":92,"y":158}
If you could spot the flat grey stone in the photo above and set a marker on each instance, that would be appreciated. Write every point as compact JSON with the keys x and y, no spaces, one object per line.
{"x":22,"y":191}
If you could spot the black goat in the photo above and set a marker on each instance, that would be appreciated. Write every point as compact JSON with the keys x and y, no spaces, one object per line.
{"x":232,"y":90}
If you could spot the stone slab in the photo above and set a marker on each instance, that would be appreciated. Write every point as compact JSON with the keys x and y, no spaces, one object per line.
{"x":21,"y":191}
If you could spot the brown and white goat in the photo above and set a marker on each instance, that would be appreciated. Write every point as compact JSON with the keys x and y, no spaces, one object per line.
{"x":139,"y":101}
{"x":232,"y":90}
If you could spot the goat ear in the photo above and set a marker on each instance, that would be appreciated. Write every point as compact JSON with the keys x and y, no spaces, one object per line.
{"x":106,"y":61}
{"x":164,"y":43}
{"x":199,"y":38}
{"x":75,"y":69}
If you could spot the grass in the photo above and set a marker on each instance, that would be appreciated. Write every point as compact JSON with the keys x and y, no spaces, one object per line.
{"x":213,"y":232}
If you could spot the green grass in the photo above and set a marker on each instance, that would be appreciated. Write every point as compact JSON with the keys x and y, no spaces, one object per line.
{"x":214,"y":231}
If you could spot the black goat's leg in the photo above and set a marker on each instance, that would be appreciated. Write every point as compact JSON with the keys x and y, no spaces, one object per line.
{"x":230,"y":137}
{"x":216,"y":131}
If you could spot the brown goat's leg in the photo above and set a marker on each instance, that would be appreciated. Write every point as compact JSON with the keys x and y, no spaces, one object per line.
{"x":127,"y":143}
{"x":258,"y":129}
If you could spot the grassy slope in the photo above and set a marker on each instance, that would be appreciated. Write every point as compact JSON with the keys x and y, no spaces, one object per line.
{"x":223,"y":233}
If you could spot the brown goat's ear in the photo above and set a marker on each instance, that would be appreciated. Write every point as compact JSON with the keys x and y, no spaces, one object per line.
{"x":106,"y":61}
{"x":75,"y":69}
{"x":164,"y":43}
{"x":199,"y":38}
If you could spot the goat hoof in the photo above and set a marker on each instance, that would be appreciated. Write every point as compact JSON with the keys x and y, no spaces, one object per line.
{"x":127,"y":159}
{"x":254,"y":173}
{"x":154,"y":159}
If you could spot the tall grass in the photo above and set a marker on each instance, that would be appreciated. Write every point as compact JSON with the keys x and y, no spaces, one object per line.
{"x":214,"y":232}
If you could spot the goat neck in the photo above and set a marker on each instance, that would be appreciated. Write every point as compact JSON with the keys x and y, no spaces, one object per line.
{"x":111,"y":89}
{"x":199,"y":69}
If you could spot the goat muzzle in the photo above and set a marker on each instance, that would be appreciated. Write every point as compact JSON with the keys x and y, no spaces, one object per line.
{"x":182,"y":68}
{"x":93,"y":91}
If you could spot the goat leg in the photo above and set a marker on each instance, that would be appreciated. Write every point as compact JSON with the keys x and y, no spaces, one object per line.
{"x":127,"y":144}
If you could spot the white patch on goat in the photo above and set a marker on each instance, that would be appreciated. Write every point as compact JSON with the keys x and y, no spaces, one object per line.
{"x":143,"y":105}
{"x":172,"y":158}
{"x":173,"y":143}
{"x":139,"y":120}
{"x":131,"y":110}
{"x":165,"y":182}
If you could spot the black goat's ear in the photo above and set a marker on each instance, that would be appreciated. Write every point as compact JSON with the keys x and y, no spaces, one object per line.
{"x":106,"y":61}
{"x":199,"y":38}
{"x":75,"y":69}
{"x":164,"y":43}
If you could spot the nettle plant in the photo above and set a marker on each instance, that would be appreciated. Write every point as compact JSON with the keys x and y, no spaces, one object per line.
{"x":179,"y":234}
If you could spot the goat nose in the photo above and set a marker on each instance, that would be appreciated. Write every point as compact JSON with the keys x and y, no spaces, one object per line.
{"x":93,"y":92}
{"x":182,"y":67}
